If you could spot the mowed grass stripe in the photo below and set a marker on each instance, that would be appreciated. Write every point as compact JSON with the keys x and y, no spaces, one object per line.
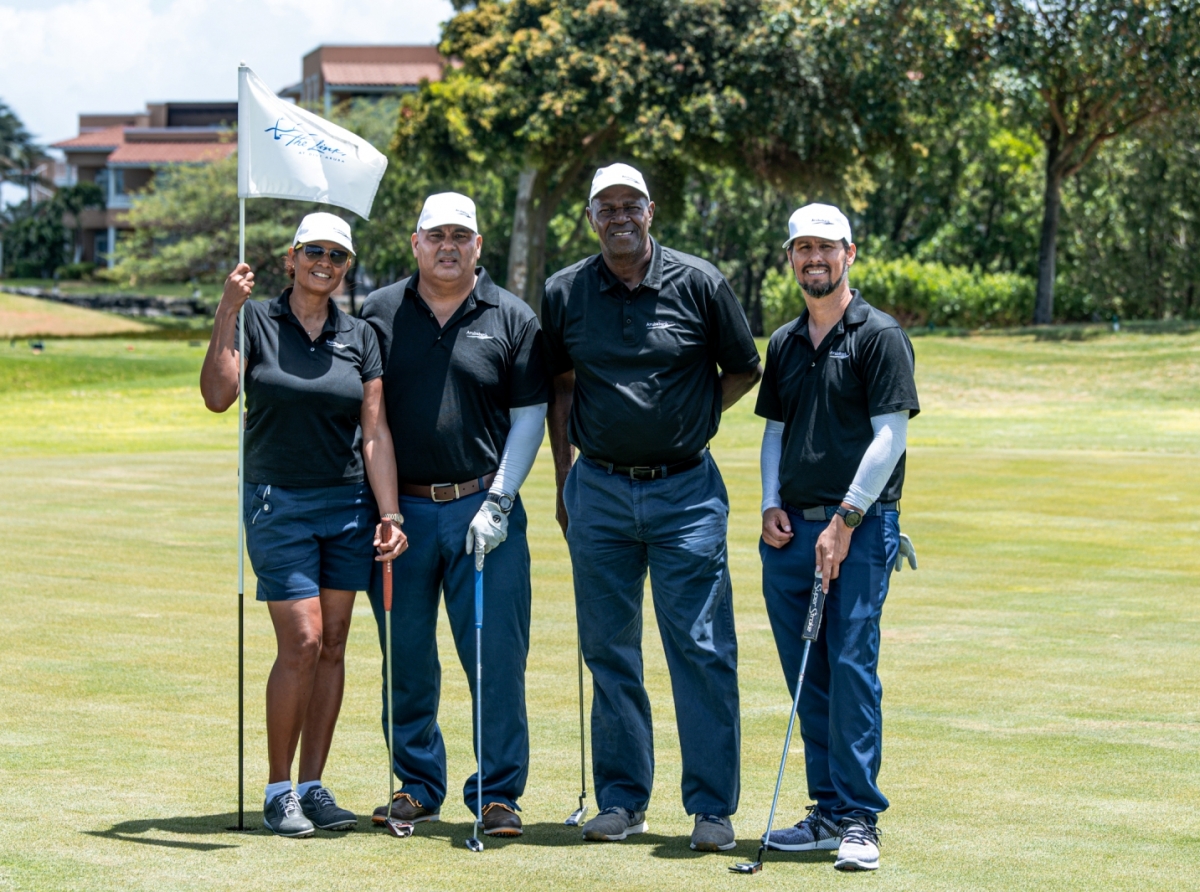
{"x":1039,"y":669}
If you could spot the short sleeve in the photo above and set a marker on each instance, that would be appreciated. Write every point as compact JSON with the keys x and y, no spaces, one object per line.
{"x":887,"y":366}
{"x":558,"y":360}
{"x":372,"y":364}
{"x":769,"y":405}
{"x":731,"y":344}
{"x":530,"y":384}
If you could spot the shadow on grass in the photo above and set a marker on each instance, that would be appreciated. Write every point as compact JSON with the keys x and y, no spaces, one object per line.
{"x":674,"y":848}
{"x":191,"y":825}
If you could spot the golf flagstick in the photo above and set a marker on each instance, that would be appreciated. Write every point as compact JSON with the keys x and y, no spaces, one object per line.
{"x":392,"y":825}
{"x":241,"y":538}
{"x":576,"y":817}
{"x":812,"y":626}
{"x":474,"y":843}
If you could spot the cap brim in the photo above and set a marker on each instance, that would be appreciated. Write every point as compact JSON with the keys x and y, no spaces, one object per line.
{"x":325,"y":238}
{"x":436,"y":222}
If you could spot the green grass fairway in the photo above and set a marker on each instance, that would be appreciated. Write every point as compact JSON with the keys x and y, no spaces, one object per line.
{"x":1041,"y":670}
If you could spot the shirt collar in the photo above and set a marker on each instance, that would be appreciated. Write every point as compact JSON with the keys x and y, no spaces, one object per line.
{"x":654,"y":274}
{"x":485,"y":292}
{"x":855,"y":314}
{"x":336,"y":321}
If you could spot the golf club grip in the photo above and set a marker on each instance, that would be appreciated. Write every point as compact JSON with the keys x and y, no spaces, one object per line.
{"x":816,"y":607}
{"x":387,"y":586}
{"x":478,"y":599}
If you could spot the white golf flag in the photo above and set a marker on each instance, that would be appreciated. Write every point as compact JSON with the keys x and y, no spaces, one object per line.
{"x":287,"y":152}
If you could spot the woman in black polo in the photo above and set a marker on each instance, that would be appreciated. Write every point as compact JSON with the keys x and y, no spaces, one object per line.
{"x":315,"y":422}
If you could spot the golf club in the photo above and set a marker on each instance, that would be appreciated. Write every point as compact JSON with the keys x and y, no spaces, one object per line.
{"x":473,"y":842}
{"x":576,"y":817}
{"x":397,"y":828}
{"x":812,"y":625}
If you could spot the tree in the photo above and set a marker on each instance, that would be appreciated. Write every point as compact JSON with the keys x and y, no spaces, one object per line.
{"x":1092,"y":71}
{"x":35,"y":237}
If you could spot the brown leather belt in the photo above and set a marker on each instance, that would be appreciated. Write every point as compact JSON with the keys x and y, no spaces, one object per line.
{"x":447,"y":492}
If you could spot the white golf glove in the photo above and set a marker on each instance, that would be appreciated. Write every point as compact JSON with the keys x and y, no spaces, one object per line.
{"x":489,"y":526}
{"x":906,"y":551}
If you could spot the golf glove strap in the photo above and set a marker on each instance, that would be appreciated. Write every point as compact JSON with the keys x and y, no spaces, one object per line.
{"x":490,"y":526}
{"x":772,"y":450}
{"x":907,"y":551}
{"x":527,"y":426}
{"x":876,"y":466}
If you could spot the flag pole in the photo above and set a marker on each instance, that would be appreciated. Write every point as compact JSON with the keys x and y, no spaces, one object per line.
{"x":241,"y":549}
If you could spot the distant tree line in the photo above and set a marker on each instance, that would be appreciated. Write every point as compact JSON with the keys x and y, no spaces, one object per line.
{"x":1040,"y":155}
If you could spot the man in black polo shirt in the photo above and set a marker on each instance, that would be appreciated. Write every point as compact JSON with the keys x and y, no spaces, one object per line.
{"x":837,"y":395}
{"x":465,"y":387}
{"x":635,"y":336}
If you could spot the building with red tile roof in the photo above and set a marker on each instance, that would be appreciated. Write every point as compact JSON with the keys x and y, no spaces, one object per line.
{"x":331,"y":74}
{"x":120,"y":152}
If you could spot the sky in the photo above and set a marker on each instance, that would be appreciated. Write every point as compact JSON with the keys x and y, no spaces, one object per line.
{"x":61,"y":57}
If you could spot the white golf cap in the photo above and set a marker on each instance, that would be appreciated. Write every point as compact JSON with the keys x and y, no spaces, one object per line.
{"x":324,"y":228}
{"x":818,"y":221}
{"x":448,"y":209}
{"x":618,"y":175}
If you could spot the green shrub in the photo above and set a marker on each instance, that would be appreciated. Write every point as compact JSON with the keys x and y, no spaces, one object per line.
{"x":917,"y":294}
{"x":75,"y":271}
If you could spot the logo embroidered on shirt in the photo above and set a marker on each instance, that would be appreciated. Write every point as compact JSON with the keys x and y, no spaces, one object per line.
{"x":838,"y":354}
{"x":480,"y":335}
{"x":660,"y":325}
{"x":336,"y":345}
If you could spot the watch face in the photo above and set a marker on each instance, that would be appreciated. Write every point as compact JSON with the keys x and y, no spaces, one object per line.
{"x":853,"y":519}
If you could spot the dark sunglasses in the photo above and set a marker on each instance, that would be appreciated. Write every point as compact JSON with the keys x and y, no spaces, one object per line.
{"x":337,"y":256}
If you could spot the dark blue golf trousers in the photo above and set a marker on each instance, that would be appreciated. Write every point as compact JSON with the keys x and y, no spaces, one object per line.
{"x":675,"y":528}
{"x":841,"y":715}
{"x":437,"y":562}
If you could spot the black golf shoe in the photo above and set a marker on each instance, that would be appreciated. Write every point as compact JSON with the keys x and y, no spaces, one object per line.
{"x":320,"y":808}
{"x":500,"y":820}
{"x":283,"y":816}
{"x":406,"y":809}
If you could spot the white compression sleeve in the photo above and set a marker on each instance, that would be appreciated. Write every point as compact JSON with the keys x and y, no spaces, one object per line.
{"x":878,"y":462}
{"x":772,"y":450}
{"x":520,"y":449}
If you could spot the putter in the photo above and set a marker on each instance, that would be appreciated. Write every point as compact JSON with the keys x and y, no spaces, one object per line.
{"x":397,"y":828}
{"x":473,"y":842}
{"x":576,"y":817}
{"x":812,"y":625}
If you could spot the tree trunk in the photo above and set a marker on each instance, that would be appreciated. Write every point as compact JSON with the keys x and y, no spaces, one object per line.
{"x":1043,"y":313}
{"x":518,"y":246}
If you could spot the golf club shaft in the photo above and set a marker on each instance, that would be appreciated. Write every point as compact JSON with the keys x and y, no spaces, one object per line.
{"x":787,"y":743}
{"x":582,"y":738}
{"x":387,"y":634}
{"x":478,"y":685}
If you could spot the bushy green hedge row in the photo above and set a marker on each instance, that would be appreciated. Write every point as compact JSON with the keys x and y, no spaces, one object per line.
{"x":917,"y":293}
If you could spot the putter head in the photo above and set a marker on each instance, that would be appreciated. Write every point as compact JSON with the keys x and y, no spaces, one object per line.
{"x":474,"y":844}
{"x":398,"y":829}
{"x":747,"y":867}
{"x":577,"y":816}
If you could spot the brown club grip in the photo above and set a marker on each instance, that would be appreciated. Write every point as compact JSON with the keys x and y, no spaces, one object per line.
{"x":387,"y":572}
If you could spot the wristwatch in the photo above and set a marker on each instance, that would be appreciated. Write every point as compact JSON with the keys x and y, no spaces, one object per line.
{"x":503,"y":501}
{"x":397,"y":519}
{"x":852,"y":516}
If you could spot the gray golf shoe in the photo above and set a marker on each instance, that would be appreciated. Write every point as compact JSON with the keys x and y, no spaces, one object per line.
{"x":712,"y":833}
{"x":283,"y":816}
{"x":859,"y":849}
{"x":815,"y":832}
{"x":614,"y":824}
{"x":320,"y":808}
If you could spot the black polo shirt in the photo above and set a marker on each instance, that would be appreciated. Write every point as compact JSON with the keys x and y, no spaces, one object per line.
{"x":448,"y":390}
{"x":647,"y":390}
{"x":826,"y":397}
{"x":303,"y":398}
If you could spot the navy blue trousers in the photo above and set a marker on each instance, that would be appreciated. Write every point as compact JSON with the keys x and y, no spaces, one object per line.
{"x":435,"y":564}
{"x":674,"y":528}
{"x":841,"y":714}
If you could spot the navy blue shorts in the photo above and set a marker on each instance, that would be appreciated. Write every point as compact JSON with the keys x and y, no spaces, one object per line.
{"x":302,"y":540}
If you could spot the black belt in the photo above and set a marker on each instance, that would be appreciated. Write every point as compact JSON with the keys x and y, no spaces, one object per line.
{"x":826,"y":512}
{"x":650,"y":472}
